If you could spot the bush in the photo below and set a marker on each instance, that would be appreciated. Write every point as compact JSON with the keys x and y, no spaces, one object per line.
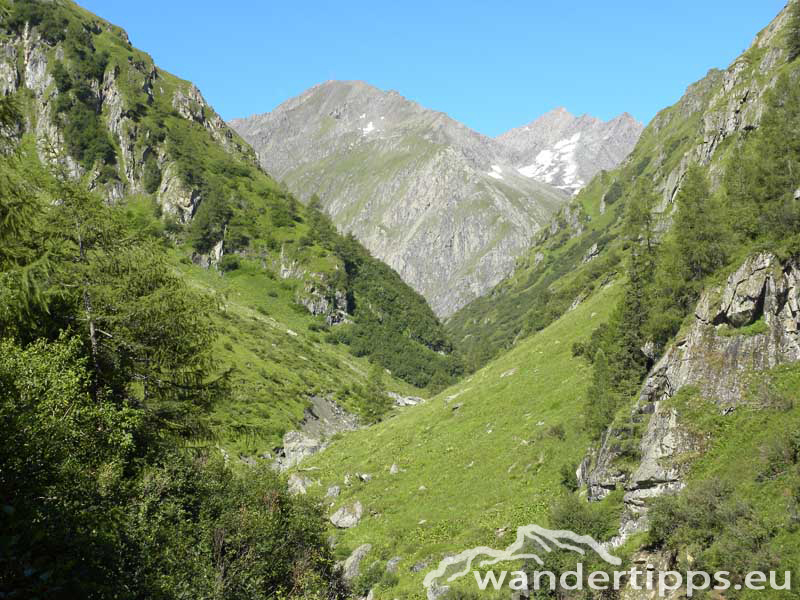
{"x":722,"y":530}
{"x":557,"y":431}
{"x":568,"y":477}
{"x":151,"y":176}
{"x":229,"y":262}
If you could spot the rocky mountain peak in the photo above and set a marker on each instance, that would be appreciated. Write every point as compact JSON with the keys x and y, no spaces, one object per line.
{"x":566,"y":151}
{"x":437,"y":201}
{"x":448,"y":208}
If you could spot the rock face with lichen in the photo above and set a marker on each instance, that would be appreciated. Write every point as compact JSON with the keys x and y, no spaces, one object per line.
{"x":750,"y":324}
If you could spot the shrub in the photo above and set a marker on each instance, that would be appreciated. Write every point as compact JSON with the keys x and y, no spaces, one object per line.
{"x":151,"y":176}
{"x":568,"y":477}
{"x":229,"y":262}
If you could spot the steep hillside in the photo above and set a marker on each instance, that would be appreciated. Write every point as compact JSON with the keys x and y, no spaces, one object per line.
{"x":567,"y":151}
{"x":583,"y":242}
{"x":299,"y":302}
{"x":438,"y":202}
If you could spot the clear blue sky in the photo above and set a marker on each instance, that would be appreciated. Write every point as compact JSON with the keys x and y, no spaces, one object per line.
{"x":492,"y":66}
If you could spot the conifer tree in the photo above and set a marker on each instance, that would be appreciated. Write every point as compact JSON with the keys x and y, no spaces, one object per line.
{"x":601,"y":399}
{"x":699,"y":230}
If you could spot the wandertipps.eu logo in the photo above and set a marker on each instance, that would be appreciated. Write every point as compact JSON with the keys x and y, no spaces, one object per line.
{"x":533,"y":542}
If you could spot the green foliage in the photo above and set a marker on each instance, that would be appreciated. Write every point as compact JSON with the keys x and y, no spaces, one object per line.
{"x":78,"y":106}
{"x":793,"y":33}
{"x":529,"y":302}
{"x":62,"y":482}
{"x":102,"y":379}
{"x":121,"y":296}
{"x":22,"y":264}
{"x":569,"y":512}
{"x":599,"y":520}
{"x":229,"y":262}
{"x":764,"y":173}
{"x":197,"y":526}
{"x":619,"y":363}
{"x":48,"y":18}
{"x":379,"y":402}
{"x":697,"y":248}
{"x":602,"y":399}
{"x":151,"y":177}
{"x":371,"y":577}
{"x":720,"y":530}
{"x":86,"y":137}
{"x":739,"y":509}
{"x":569,"y":479}
{"x":699,"y":232}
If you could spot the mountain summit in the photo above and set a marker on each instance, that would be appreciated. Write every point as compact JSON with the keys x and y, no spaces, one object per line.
{"x":448,"y":208}
{"x":437,"y":201}
{"x":567,"y":151}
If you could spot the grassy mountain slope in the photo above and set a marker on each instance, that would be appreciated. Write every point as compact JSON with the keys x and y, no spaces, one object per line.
{"x":303,"y":309}
{"x":488,"y":452}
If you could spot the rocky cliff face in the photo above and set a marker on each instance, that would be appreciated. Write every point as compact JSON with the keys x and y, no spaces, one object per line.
{"x":129,"y":89}
{"x":567,"y":151}
{"x":438,"y":202}
{"x":717,"y":355}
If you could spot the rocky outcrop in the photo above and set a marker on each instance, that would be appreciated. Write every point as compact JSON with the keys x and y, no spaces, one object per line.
{"x":296,"y":447}
{"x":400,"y":400}
{"x":128,"y":87}
{"x":725,"y":102}
{"x":651,"y":565}
{"x":321,"y":420}
{"x":189,"y":103}
{"x":715,"y":355}
{"x":352,"y":566}
{"x":297,"y":484}
{"x":320,"y":299}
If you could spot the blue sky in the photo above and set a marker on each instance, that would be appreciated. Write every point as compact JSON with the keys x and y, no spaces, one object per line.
{"x":492,"y":66}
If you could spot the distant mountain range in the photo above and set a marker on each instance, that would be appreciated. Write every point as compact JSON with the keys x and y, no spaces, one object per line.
{"x":448,"y":208}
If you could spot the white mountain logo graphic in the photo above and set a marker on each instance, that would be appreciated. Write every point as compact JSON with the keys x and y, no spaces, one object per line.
{"x":547,"y":539}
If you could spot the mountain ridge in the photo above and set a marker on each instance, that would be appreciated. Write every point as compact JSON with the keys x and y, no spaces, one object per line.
{"x":445,"y":206}
{"x":418,"y":188}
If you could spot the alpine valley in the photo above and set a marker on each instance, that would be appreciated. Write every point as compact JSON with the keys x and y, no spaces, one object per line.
{"x":319,"y":353}
{"x":449,"y":209}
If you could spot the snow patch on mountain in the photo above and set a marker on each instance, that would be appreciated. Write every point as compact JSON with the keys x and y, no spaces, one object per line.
{"x":496,"y":172}
{"x":557,"y":166}
{"x":567,"y":151}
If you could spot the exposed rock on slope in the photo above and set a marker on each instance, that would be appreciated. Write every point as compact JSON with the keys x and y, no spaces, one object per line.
{"x":567,"y":151}
{"x":438,"y":202}
{"x":129,"y":89}
{"x":716,"y":358}
{"x":323,"y":419}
